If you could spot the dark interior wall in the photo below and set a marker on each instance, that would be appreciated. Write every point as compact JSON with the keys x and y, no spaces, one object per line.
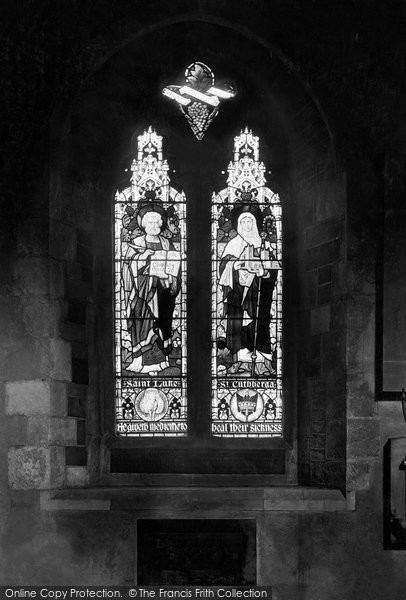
{"x":336,"y":80}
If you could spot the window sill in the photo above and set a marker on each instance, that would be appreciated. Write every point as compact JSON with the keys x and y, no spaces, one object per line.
{"x":193,"y":502}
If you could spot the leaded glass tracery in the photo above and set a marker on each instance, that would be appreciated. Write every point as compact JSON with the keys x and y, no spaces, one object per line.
{"x":150,"y":299}
{"x":246,"y":300}
{"x":198,"y":98}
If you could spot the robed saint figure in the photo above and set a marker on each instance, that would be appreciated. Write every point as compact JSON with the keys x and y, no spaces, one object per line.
{"x":151,"y":282}
{"x":248,"y":283}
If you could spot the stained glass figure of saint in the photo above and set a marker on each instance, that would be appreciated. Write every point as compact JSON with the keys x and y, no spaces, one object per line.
{"x":247,"y":300}
{"x":248,"y":282}
{"x":150,"y":299}
{"x":151,"y":283}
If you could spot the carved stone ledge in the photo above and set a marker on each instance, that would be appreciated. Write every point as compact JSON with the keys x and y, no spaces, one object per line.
{"x":209,"y":502}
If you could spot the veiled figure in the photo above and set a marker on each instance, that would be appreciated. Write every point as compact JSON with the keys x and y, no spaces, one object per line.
{"x":248,"y":282}
{"x":151,"y":282}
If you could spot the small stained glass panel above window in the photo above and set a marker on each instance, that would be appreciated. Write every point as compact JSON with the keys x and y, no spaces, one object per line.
{"x":198,"y":98}
{"x":150,"y":299}
{"x":246,"y":300}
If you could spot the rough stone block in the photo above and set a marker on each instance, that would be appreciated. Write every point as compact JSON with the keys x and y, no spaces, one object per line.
{"x":309,"y":286}
{"x":25,"y":498}
{"x":361,"y":310}
{"x":359,"y":279}
{"x":37,"y":317}
{"x":81,"y":432}
{"x":80,"y":351}
{"x":317,"y":394}
{"x":63,"y":431}
{"x":32,"y":276}
{"x":317,"y":455}
{"x":57,"y":467}
{"x":324,"y":275}
{"x":28,"y":397}
{"x":393,"y":373}
{"x":10,"y":322}
{"x":318,"y":414}
{"x":339,"y":312}
{"x":61,"y":367}
{"x":361,"y":395}
{"x":76,"y":407}
{"x":363,"y":438}
{"x":29,"y":468}
{"x":27,"y":358}
{"x":324,"y":294}
{"x":336,"y":437}
{"x":333,"y":356}
{"x":15,"y":431}
{"x":358,"y":475}
{"x":336,"y":394}
{"x":391,"y":420}
{"x":38,"y":431}
{"x":59,"y":398}
{"x":321,"y":233}
{"x":323,"y":255}
{"x":361,"y":333}
{"x":339,"y":277}
{"x":320,"y":319}
{"x":361,"y":252}
{"x":75,"y":456}
{"x":304,"y":420}
{"x":77,"y":476}
{"x":80,"y":371}
{"x":76,"y":390}
{"x":330,"y":199}
{"x":304,"y":474}
{"x":303,"y":449}
{"x":318,"y":442}
{"x":319,"y":427}
{"x":330,"y":474}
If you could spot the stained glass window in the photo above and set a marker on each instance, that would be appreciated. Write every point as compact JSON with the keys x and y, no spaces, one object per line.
{"x":246,"y":300}
{"x":150,"y":299}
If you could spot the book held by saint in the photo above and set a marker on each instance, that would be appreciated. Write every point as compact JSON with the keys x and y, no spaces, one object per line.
{"x":164,"y":263}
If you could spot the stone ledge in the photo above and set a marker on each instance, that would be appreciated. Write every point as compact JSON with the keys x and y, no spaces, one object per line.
{"x":186,"y":501}
{"x":48,"y":502}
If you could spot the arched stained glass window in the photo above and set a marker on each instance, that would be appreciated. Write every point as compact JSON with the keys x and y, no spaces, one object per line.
{"x":150,"y":299}
{"x":246,"y":300}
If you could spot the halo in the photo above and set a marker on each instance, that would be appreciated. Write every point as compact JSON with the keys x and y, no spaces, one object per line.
{"x":152,"y":207}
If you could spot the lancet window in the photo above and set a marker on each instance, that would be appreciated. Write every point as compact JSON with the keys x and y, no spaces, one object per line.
{"x":150,"y":299}
{"x":246,"y":300}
